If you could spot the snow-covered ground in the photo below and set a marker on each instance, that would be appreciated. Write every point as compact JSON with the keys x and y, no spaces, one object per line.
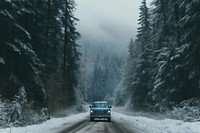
{"x":160,"y":126}
{"x":148,"y":125}
{"x":53,"y":125}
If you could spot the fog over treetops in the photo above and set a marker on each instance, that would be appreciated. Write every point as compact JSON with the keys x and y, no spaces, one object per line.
{"x":109,"y":22}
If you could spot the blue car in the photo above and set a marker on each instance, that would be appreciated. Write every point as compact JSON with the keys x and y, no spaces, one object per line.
{"x":100,"y":110}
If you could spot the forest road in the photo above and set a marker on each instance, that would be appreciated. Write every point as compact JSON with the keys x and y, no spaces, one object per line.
{"x":100,"y":126}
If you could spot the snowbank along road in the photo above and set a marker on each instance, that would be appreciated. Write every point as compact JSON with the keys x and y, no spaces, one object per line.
{"x":100,"y":126}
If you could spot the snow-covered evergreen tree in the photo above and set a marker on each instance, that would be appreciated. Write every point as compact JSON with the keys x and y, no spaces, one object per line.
{"x":189,"y":49}
{"x":139,"y":82}
{"x":125,"y":87}
{"x":71,"y":55}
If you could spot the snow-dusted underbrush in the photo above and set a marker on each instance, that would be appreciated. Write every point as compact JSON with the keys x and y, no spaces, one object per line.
{"x":19,"y":112}
{"x":63,"y":112}
{"x":188,"y":110}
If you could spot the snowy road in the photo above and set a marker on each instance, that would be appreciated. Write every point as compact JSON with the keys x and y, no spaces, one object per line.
{"x":100,"y":126}
{"x":79,"y":123}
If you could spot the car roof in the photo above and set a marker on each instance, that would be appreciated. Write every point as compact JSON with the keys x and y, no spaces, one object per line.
{"x":100,"y":102}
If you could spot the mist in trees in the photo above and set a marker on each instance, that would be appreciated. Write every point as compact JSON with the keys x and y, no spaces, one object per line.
{"x":163,"y":65}
{"x":102,"y":71}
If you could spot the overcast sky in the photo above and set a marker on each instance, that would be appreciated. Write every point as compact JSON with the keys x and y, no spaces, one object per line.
{"x":111,"y":21}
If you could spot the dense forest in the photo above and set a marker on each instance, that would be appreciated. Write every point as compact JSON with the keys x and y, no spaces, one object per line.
{"x":39,"y":59}
{"x":163,"y":67}
{"x":42,"y":70}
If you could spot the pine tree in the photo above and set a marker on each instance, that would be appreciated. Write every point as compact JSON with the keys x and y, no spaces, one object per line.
{"x":142,"y":76}
{"x":16,"y":49}
{"x":144,"y":29}
{"x":71,"y":53}
{"x":189,"y":49}
{"x":165,"y":88}
{"x":129,"y":72}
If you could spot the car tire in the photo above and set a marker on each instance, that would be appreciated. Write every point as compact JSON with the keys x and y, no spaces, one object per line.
{"x":109,"y":119}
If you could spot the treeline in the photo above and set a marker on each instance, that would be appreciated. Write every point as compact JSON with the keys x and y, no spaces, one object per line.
{"x":104,"y":78}
{"x":39,"y":57}
{"x":163,"y":66}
